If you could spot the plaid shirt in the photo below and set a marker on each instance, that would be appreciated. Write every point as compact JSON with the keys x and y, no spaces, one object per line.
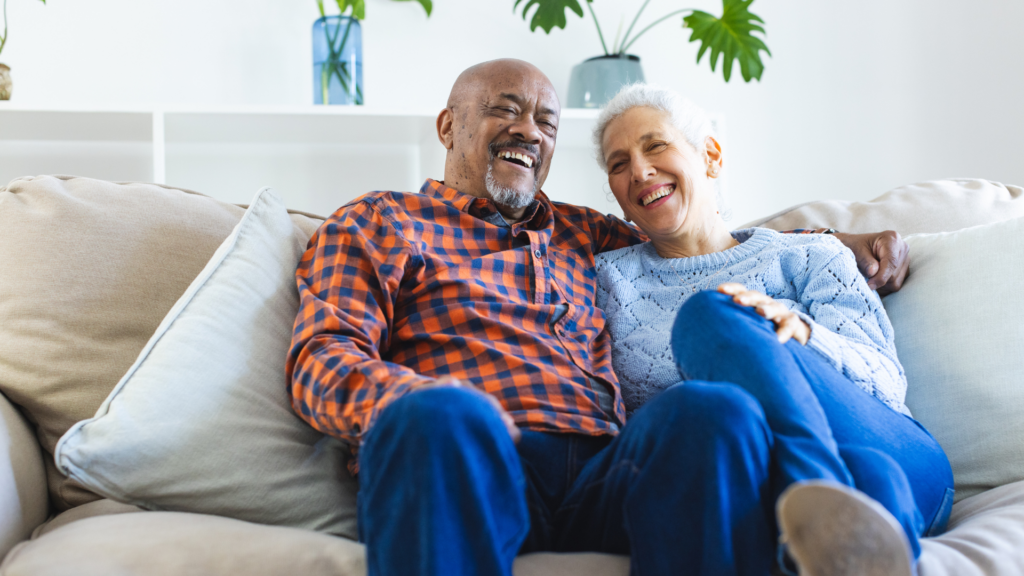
{"x":398,"y":289}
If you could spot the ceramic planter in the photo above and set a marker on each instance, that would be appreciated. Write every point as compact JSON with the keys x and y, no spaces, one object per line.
{"x":595,"y":81}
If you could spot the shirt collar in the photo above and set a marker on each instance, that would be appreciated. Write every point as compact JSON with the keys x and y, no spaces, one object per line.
{"x":484,"y":208}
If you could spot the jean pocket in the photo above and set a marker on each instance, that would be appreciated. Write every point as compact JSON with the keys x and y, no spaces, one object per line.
{"x":938,"y":525}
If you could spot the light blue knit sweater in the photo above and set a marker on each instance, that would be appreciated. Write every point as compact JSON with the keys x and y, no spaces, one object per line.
{"x":812,"y":274}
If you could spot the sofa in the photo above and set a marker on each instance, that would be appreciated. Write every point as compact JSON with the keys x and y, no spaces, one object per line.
{"x":97,"y":279}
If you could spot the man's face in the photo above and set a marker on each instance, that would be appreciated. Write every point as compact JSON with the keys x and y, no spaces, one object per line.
{"x":503,"y":136}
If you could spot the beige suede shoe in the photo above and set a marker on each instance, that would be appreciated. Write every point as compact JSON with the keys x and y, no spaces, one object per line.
{"x":833,"y":530}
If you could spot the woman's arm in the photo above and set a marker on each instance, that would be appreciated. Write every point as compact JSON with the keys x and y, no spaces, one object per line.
{"x":849,"y":326}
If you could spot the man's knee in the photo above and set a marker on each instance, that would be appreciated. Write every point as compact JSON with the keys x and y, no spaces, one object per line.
{"x":438,"y":418}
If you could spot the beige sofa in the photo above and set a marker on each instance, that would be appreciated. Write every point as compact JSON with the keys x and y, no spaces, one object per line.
{"x":87,"y":271}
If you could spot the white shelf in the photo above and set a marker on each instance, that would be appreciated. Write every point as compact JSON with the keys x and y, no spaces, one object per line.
{"x":316,"y":157}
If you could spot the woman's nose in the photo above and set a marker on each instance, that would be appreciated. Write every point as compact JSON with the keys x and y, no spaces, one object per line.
{"x":642,"y":170}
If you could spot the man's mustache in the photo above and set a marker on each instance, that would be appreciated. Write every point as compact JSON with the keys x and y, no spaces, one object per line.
{"x":531,"y":148}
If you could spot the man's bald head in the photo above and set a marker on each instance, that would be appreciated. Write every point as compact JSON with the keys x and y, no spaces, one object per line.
{"x":499,"y":128}
{"x":506,"y":73}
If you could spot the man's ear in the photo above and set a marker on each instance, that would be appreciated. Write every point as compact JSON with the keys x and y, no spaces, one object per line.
{"x":714,"y":152}
{"x":445,"y":129}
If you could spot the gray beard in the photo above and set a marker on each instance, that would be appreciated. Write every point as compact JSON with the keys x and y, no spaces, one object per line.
{"x":508,"y":197}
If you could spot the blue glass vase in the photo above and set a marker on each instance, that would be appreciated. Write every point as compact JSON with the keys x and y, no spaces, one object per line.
{"x":337,"y":61}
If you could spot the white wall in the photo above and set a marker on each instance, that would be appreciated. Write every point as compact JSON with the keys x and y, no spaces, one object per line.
{"x":858,"y":97}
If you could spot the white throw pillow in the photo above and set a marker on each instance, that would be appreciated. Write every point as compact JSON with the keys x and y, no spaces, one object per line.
{"x":202,"y":422}
{"x":959,"y":322}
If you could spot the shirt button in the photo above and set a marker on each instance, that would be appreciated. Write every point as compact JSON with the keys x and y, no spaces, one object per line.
{"x":537,"y":254}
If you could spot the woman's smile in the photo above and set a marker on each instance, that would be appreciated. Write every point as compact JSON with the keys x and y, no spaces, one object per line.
{"x":652,"y":194}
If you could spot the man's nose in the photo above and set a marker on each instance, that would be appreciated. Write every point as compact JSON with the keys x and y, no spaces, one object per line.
{"x":526,"y":129}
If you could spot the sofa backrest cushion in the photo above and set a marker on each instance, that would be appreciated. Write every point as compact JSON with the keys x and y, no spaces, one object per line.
{"x":960,"y":336}
{"x":88,"y":269}
{"x":936,"y":206}
{"x":203,"y":421}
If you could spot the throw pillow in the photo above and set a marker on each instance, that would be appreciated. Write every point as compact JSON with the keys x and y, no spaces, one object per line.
{"x":202,"y":422}
{"x":960,"y":336}
{"x":87,"y":271}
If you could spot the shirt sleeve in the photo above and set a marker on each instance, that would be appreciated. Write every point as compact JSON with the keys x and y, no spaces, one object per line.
{"x":609,"y":232}
{"x":348,"y":282}
{"x":850,"y":328}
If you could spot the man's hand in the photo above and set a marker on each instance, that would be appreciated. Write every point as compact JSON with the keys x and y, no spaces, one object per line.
{"x":506,"y":418}
{"x":787,"y":323}
{"x":883,"y":258}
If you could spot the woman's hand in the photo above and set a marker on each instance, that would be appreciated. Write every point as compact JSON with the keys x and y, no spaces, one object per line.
{"x":787,"y":323}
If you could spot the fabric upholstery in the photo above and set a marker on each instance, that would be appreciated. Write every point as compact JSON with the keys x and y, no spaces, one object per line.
{"x":960,"y":336}
{"x":985,"y":537}
{"x":22,"y":478}
{"x":88,"y":269}
{"x":936,"y":206}
{"x":176,"y":543}
{"x":202,"y":422}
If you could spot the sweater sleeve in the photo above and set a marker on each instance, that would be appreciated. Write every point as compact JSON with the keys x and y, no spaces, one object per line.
{"x":849,"y":326}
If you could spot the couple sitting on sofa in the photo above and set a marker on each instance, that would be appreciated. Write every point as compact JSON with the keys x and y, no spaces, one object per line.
{"x":470,"y":342}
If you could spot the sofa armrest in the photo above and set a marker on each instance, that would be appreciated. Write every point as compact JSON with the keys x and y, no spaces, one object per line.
{"x":23,"y":496}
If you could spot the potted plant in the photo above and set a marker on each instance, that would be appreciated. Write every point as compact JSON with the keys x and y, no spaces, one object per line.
{"x":597,"y":80}
{"x":6,"y":84}
{"x":338,"y":52}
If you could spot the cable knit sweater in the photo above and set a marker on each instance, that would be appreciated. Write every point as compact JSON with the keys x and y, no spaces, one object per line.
{"x":812,"y":274}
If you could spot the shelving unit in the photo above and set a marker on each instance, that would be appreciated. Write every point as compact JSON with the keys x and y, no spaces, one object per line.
{"x":317,"y":158}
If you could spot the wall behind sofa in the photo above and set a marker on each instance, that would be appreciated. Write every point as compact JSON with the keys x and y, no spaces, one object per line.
{"x":857,"y":98}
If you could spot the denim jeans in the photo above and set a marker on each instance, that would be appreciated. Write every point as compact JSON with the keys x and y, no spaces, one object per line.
{"x":822,"y":425}
{"x":687,"y":487}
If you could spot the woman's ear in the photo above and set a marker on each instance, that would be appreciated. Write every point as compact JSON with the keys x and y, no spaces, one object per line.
{"x":714,"y":153}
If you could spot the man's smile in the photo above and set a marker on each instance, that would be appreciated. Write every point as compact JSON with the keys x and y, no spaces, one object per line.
{"x":517,"y":158}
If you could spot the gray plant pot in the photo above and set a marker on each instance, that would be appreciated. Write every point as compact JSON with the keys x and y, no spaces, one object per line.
{"x":596,"y":81}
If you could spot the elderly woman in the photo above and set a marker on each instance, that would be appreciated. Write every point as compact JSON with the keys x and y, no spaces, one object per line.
{"x":791,"y":362}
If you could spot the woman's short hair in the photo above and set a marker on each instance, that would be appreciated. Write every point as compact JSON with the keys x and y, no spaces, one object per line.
{"x":686,"y":116}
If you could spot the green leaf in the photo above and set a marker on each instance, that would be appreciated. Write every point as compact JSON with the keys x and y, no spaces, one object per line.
{"x":358,"y":8}
{"x":731,"y":36}
{"x":550,"y":13}
{"x":427,"y":4}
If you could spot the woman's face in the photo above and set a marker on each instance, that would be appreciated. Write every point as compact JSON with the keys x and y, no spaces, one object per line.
{"x":661,"y":182}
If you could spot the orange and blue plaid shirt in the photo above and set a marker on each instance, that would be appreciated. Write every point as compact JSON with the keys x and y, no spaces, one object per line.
{"x":398,"y":289}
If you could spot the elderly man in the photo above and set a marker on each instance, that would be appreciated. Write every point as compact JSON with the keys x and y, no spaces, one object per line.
{"x":451,"y":338}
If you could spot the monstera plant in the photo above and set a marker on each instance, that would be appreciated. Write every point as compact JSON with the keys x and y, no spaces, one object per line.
{"x":5,"y":73}
{"x":731,"y":36}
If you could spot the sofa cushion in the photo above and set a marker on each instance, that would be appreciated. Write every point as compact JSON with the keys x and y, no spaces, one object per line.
{"x":960,"y":336}
{"x":985,"y":537}
{"x":936,"y":206}
{"x":22,"y":478}
{"x":88,"y":269}
{"x":202,"y":422}
{"x":176,"y":543}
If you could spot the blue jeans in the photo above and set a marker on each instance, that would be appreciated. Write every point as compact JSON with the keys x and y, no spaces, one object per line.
{"x":444,"y":491}
{"x":687,"y":487}
{"x":822,"y":425}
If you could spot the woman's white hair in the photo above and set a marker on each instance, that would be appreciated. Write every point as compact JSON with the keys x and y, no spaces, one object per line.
{"x":686,"y":116}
